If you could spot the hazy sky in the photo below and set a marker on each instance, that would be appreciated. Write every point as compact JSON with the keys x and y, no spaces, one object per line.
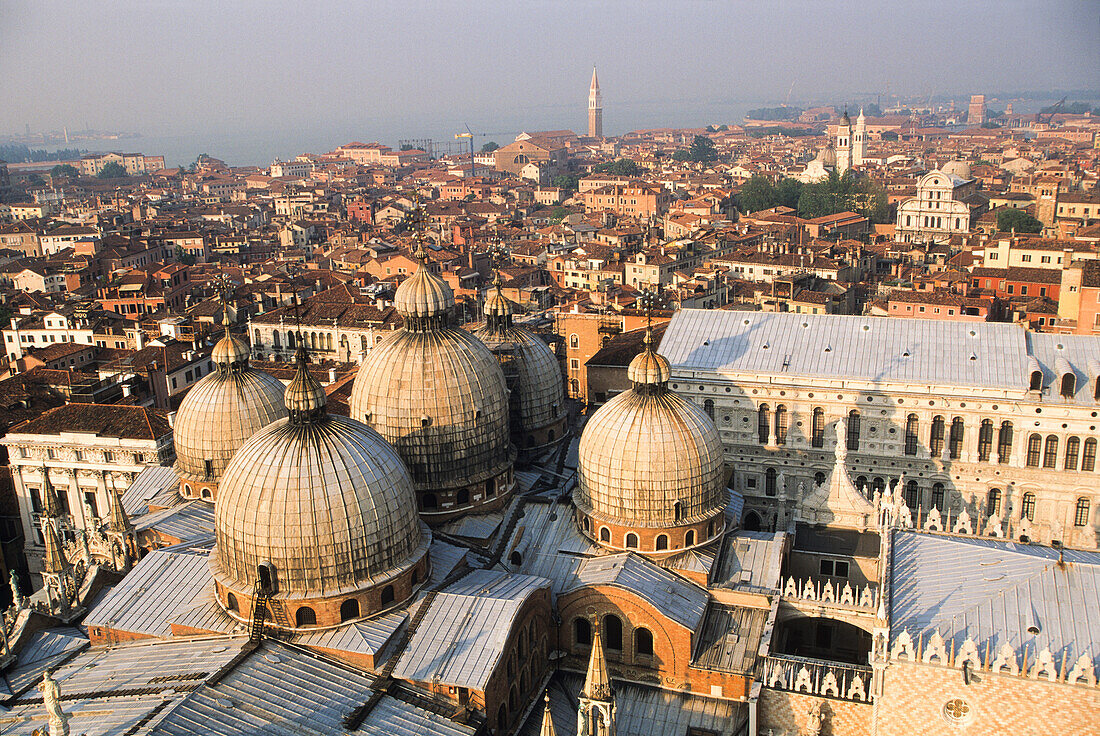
{"x":194,"y":65}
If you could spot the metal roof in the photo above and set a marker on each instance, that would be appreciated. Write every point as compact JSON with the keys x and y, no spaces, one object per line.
{"x":361,"y":637}
{"x":158,"y":484}
{"x":1081,"y":352}
{"x":44,"y":650}
{"x":462,"y":636}
{"x":888,"y":350}
{"x":189,"y":522}
{"x":279,"y":689}
{"x":161,"y":585}
{"x":751,"y":561}
{"x":640,"y":710}
{"x":993,"y":591}
{"x":680,"y":600}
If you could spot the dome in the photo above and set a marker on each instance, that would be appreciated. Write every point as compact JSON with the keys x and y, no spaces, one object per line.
{"x":650,"y":467}
{"x":828,"y":155}
{"x":957,"y":168}
{"x":321,"y":501}
{"x":532,"y":374}
{"x":438,"y":395}
{"x":423,"y":294}
{"x":219,"y":413}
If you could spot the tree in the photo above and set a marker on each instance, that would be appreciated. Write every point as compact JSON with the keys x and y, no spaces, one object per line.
{"x":843,"y":193}
{"x":681,"y":154}
{"x":489,"y":147}
{"x":758,"y":193}
{"x":35,"y":180}
{"x":1010,"y":218}
{"x":569,"y":182}
{"x":112,"y":170}
{"x":406,"y":147}
{"x":702,"y":150}
{"x":787,"y":191}
{"x":622,"y":167}
{"x":558,"y":214}
{"x":64,"y":170}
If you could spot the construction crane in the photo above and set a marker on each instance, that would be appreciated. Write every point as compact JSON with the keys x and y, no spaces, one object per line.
{"x":470,"y":135}
{"x":1050,"y":112}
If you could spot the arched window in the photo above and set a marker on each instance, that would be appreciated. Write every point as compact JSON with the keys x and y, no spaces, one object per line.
{"x":1081,"y":515}
{"x":430,"y":501}
{"x":781,"y":419}
{"x":1004,"y":442}
{"x":861,"y":483}
{"x":1068,"y":385}
{"x":985,"y":440}
{"x":1073,"y":447}
{"x":582,"y":632}
{"x":1050,"y":452}
{"x":689,"y":538}
{"x":912,"y":495}
{"x":819,"y":478}
{"x":462,"y":497}
{"x":632,"y":541}
{"x":387,"y":595}
{"x":993,"y":502}
{"x":305,"y":616}
{"x":516,"y":558}
{"x":1036,"y":381}
{"x":490,"y":488}
{"x":769,"y":481}
{"x":956,"y":438}
{"x":231,"y":603}
{"x":1027,"y":508}
{"x":643,"y":642}
{"x":708,"y":407}
{"x":935,"y":437}
{"x":763,"y":423}
{"x":291,"y":340}
{"x":1034,"y":443}
{"x":605,"y":534}
{"x":661,"y":543}
{"x":613,"y":632}
{"x":574,"y":342}
{"x":937,"y":496}
{"x":256,"y":336}
{"x":817,"y":435}
{"x":275,"y":339}
{"x":502,"y":718}
{"x":574,"y":388}
{"x":1088,"y":456}
{"x":677,"y":511}
{"x":853,"y":430}
{"x":911,"y":434}
{"x":349,"y":609}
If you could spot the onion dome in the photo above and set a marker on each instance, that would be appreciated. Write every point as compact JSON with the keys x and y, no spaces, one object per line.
{"x":438,"y":395}
{"x":532,"y":373}
{"x":319,"y":510}
{"x":220,"y":412}
{"x":651,"y":475}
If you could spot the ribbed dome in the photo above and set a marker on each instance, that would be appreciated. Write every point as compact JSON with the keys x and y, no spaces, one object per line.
{"x":538,"y":394}
{"x":649,"y":458}
{"x":323,"y":499}
{"x":439,"y":397}
{"x":957,"y":168}
{"x":423,"y":295}
{"x":222,"y":410}
{"x":828,"y":155}
{"x":648,"y":368}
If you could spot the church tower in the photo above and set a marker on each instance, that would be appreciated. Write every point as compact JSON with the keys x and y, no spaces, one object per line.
{"x":595,"y":108}
{"x":859,"y":140}
{"x":596,"y":716}
{"x":844,"y":144}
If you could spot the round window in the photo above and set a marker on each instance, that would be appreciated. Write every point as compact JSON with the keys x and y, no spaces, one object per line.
{"x":956,"y":711}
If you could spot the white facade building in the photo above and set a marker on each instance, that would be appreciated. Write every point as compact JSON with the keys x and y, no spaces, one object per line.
{"x":939,"y":210}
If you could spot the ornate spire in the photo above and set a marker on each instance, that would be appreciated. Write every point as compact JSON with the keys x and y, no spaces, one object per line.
{"x":597,"y":683}
{"x":547,"y":722}
{"x":51,"y":504}
{"x":54,"y":561}
{"x":119,"y":521}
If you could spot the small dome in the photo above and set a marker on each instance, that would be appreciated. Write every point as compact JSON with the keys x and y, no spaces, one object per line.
{"x":322,"y":499}
{"x":304,"y":395}
{"x":957,"y":168}
{"x":423,"y":295}
{"x":648,"y":368}
{"x":230,"y":351}
{"x":496,"y":304}
{"x":650,"y":459}
{"x":827,"y":155}
{"x":221,"y":411}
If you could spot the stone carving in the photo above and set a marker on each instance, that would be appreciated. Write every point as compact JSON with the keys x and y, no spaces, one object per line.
{"x":815,"y":721}
{"x":933,"y":522}
{"x":856,"y":690}
{"x":16,"y":594}
{"x":1082,"y":669}
{"x":1006,"y":659}
{"x":935,"y":649}
{"x":847,"y":598}
{"x":968,"y":652}
{"x":803,"y":681}
{"x":51,"y":698}
{"x":829,"y":685}
{"x":866,"y":598}
{"x":963,"y":523}
{"x":903,"y":647}
{"x":1045,"y":666}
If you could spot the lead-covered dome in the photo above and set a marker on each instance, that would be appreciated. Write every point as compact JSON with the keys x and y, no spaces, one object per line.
{"x":437,"y":394}
{"x":958,"y":168}
{"x":531,"y":371}
{"x":323,"y":508}
{"x":219,"y":413}
{"x":651,"y":474}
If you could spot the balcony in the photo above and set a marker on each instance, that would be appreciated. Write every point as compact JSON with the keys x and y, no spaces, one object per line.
{"x":818,"y":677}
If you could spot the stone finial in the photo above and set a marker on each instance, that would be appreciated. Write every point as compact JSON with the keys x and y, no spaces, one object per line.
{"x":16,"y":594}
{"x":935,"y":649}
{"x":903,"y":647}
{"x":968,"y":652}
{"x":963,"y":523}
{"x":1045,"y":666}
{"x":934,"y":521}
{"x":1006,"y":660}
{"x":1082,"y":670}
{"x":547,"y":722}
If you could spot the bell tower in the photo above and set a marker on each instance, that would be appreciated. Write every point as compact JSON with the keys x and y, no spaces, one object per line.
{"x":859,"y":140}
{"x":844,"y":144}
{"x":595,"y":108}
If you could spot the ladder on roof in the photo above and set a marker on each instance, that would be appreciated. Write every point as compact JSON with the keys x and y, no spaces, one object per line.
{"x":259,"y":613}
{"x":278,"y":612}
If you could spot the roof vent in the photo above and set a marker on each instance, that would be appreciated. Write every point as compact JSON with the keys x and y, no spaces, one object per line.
{"x":805,"y":324}
{"x":973,"y":333}
{"x":866,"y":328}
{"x":1033,"y":629}
{"x":905,"y":354}
{"x":746,"y":321}
{"x":828,"y":348}
{"x":973,"y":357}
{"x":706,"y":343}
{"x":766,"y":346}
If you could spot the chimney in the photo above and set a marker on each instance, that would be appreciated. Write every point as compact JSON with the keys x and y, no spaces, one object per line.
{"x":332,"y":375}
{"x":172,"y":419}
